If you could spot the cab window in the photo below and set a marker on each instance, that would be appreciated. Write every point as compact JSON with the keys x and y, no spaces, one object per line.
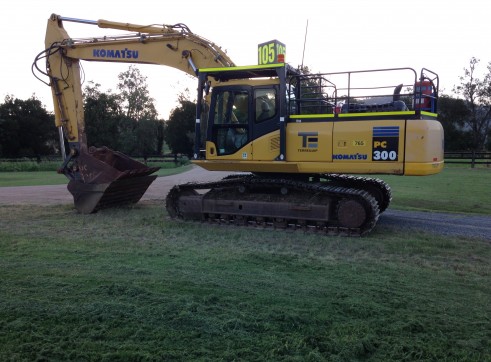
{"x":265,"y":104}
{"x":231,"y":129}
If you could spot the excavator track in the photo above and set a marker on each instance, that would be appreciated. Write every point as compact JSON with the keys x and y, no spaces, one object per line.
{"x":378,"y":188}
{"x":282,"y":203}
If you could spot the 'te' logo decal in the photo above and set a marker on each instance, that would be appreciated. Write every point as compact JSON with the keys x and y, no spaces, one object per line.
{"x":310,"y":141}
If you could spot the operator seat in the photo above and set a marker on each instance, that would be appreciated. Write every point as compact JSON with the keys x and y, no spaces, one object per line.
{"x":397,"y":93}
{"x":396,"y":99}
{"x":265,"y":112}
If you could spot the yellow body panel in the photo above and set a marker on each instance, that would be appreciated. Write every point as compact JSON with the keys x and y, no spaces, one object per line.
{"x":266,"y":148}
{"x":356,"y":144}
{"x":389,"y":146}
{"x":309,"y":141}
{"x":424,"y":144}
{"x":245,"y":153}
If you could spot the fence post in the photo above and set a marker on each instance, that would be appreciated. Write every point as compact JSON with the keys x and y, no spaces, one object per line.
{"x":473,"y":159}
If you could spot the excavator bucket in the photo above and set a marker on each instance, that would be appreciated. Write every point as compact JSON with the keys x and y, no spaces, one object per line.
{"x":108,"y":178}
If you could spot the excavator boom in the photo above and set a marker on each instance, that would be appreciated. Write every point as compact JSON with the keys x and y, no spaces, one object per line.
{"x":101,"y":178}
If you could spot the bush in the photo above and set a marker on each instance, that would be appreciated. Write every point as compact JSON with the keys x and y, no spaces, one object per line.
{"x":27,"y":165}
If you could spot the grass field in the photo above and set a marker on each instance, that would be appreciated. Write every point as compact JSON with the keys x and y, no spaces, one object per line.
{"x":456,"y":189}
{"x":131,"y":285}
{"x":29,"y":178}
{"x":432,"y":193}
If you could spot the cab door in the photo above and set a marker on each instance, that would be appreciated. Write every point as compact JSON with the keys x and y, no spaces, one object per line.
{"x":244,"y":123}
{"x":265,"y":123}
{"x":230,"y":120}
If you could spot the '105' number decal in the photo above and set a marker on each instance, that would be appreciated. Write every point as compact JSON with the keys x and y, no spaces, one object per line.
{"x":268,"y":52}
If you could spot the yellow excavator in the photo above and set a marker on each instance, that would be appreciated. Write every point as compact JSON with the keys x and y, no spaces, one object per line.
{"x":298,"y":144}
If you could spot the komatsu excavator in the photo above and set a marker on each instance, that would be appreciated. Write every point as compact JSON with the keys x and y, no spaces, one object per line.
{"x":298,"y":144}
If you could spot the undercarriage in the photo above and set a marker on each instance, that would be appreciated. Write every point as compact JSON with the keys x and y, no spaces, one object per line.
{"x":333,"y":204}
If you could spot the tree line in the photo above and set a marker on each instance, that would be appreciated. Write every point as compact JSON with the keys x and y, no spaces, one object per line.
{"x":127,"y":120}
{"x":466,"y":118}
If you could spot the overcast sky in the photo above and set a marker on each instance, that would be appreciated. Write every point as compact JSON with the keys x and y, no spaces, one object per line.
{"x":342,"y":35}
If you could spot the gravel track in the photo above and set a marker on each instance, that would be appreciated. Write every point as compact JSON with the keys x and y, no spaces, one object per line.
{"x":432,"y":222}
{"x":464,"y":225}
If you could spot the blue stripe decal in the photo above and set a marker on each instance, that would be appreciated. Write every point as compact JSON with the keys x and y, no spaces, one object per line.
{"x":386,"y":131}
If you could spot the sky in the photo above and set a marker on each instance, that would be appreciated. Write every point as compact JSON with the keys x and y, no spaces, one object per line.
{"x":342,"y":35}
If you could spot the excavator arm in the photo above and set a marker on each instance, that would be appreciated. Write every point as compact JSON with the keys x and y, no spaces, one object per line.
{"x":104,"y":178}
{"x":171,"y":45}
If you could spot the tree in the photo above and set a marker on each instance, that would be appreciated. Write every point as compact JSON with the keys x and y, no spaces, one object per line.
{"x":477,"y":97}
{"x":26,"y":128}
{"x":180,"y":128}
{"x":314,"y":92}
{"x":140,"y":130}
{"x":160,"y":136}
{"x":137,"y":102}
{"x":147,"y":131}
{"x":125,"y":121}
{"x":139,"y":138}
{"x":103,"y":113}
{"x":127,"y":140}
{"x":452,"y":113}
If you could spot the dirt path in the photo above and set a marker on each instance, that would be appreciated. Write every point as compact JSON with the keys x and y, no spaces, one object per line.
{"x":58,"y":194}
{"x":432,"y":222}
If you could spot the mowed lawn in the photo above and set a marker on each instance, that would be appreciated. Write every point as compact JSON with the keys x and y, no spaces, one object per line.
{"x":456,"y":189}
{"x":32,"y":174}
{"x":132,"y":285}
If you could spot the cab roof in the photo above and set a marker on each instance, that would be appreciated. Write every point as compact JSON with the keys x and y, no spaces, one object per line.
{"x":247,"y":72}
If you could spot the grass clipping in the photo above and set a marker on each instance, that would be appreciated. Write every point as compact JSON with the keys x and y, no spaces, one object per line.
{"x":129,"y":284}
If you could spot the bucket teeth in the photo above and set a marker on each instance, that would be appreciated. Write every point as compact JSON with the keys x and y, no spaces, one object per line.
{"x":89,"y":198}
{"x":108,"y":179}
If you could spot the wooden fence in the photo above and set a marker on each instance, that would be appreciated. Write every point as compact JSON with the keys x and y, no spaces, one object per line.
{"x":472,"y":158}
{"x":152,"y":159}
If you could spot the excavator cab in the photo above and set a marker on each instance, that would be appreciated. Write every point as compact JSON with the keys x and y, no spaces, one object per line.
{"x":245,"y":106}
